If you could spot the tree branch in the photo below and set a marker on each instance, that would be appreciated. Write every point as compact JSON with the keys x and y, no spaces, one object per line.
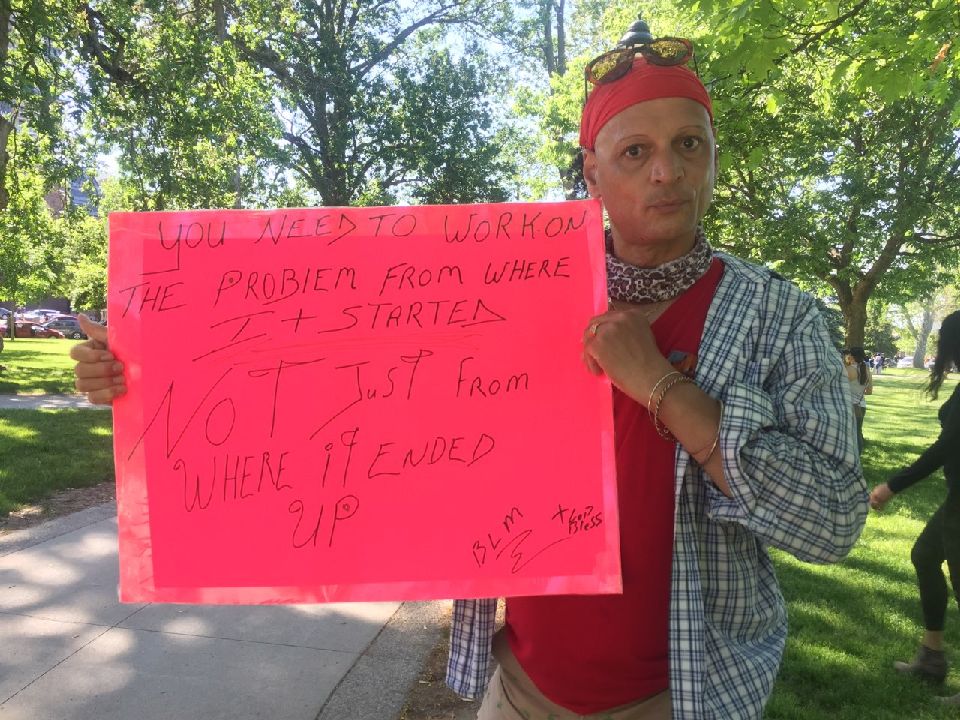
{"x":110,"y":61}
{"x":308,"y":156}
{"x":438,"y":17}
{"x":832,"y":25}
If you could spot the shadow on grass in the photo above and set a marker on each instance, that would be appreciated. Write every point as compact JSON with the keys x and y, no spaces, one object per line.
{"x":48,"y":450}
{"x":850,"y":621}
{"x":57,"y":384}
{"x":36,"y":365}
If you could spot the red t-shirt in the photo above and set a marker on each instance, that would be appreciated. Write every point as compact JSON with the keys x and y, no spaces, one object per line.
{"x":590,"y":653}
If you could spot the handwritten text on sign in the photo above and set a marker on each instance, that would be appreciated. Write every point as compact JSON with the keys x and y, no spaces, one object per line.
{"x":361,"y":404}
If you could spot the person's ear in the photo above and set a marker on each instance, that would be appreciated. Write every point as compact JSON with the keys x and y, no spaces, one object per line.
{"x":590,"y":172}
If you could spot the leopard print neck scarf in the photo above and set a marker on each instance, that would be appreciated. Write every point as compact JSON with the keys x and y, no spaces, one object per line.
{"x":665,"y":282}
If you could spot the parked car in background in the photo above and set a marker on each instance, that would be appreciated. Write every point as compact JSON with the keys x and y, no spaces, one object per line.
{"x":29,"y":329}
{"x":41,"y":315}
{"x":905,"y":362}
{"x":68,"y":325}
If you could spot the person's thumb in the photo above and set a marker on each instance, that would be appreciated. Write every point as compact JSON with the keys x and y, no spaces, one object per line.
{"x":93,"y":330}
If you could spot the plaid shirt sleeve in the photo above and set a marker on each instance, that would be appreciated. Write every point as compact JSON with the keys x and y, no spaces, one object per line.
{"x":471,"y":633}
{"x":787,"y":433}
{"x":789,"y":448}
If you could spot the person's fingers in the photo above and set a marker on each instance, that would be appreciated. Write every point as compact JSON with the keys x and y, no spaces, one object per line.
{"x":89,"y":352}
{"x":596,"y":322}
{"x":591,"y":332}
{"x":879,"y":498}
{"x":98,"y":374}
{"x":98,"y":369}
{"x":592,"y":365}
{"x":105,"y":396}
{"x":102,"y":390}
{"x":91,"y":384}
{"x":592,"y":328}
{"x":94,"y":331}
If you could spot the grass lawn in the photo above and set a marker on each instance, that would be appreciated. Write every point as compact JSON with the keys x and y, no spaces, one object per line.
{"x":35,"y":366}
{"x":848,"y":622}
{"x":44,"y":451}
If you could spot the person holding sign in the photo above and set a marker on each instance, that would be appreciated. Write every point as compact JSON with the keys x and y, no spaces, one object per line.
{"x":733,"y":433}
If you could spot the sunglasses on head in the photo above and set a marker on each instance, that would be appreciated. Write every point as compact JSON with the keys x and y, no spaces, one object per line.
{"x":613,"y":65}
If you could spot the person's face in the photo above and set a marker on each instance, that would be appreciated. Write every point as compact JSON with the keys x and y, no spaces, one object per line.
{"x":654,"y":166}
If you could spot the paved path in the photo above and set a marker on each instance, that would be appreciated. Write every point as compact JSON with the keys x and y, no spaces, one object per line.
{"x":69,"y":650}
{"x":47,"y":402}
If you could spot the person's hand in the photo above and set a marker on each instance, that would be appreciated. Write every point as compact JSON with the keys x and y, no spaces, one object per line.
{"x":620,"y":343}
{"x":880,"y":496}
{"x":99,"y":374}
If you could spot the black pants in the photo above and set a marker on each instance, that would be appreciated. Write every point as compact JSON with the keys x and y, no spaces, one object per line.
{"x":939,"y":541}
{"x":858,"y":413}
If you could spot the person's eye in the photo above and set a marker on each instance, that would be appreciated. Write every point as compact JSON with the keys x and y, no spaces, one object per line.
{"x":691,"y":142}
{"x":633,"y":151}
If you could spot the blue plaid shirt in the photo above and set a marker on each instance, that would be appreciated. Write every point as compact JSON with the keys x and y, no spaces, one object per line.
{"x":790,"y":456}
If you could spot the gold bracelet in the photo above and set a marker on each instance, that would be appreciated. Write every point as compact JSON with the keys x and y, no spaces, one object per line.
{"x":716,"y":441}
{"x":654,"y":391}
{"x":662,"y":429}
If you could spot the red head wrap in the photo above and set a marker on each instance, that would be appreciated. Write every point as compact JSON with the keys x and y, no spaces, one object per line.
{"x":643,"y":82}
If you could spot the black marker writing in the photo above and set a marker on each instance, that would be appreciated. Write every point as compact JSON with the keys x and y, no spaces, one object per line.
{"x":471,"y":384}
{"x":406,"y":276}
{"x":452,"y":449}
{"x":519,"y":270}
{"x":239,"y":477}
{"x":167,"y":401}
{"x":267,"y":287}
{"x":433,"y":313}
{"x":154,"y":297}
{"x":190,"y":236}
{"x":575,"y":521}
{"x":344,"y":509}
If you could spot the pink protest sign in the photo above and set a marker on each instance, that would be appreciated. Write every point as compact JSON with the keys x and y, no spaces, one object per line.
{"x":341,"y":404}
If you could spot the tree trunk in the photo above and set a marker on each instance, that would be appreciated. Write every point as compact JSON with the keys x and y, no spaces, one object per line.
{"x":220,"y":26}
{"x":920,"y":353}
{"x":5,"y":125}
{"x":220,"y":20}
{"x":561,"y":39}
{"x":546,"y":23}
{"x":854,"y":308}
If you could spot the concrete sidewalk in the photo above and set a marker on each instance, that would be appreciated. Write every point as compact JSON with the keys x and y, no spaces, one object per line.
{"x":70,"y":651}
{"x":47,"y":402}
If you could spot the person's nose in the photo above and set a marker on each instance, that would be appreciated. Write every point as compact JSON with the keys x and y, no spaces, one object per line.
{"x":666,"y":167}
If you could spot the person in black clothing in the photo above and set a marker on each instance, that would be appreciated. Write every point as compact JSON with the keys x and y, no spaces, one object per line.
{"x":940,"y":539}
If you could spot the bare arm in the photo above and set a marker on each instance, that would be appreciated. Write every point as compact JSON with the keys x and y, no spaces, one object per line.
{"x":620,"y":343}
